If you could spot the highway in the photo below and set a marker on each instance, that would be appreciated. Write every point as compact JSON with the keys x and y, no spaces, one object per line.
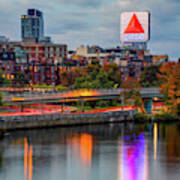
{"x":74,"y":95}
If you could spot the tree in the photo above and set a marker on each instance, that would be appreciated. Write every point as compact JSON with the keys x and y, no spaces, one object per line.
{"x":149,"y":77}
{"x":92,"y":76}
{"x":131,"y":92}
{"x":170,"y":87}
{"x":95,"y":61}
{"x":66,"y":78}
{"x":4,"y":81}
{"x":96,"y":77}
{"x":78,"y":72}
{"x":93,"y":67}
{"x":1,"y":79}
{"x":1,"y":102}
{"x":102,"y":81}
{"x":95,"y":80}
{"x":113,"y":72}
{"x":82,"y":82}
{"x":20,"y":80}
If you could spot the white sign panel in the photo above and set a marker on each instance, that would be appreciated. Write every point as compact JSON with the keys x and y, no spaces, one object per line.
{"x":135,"y":26}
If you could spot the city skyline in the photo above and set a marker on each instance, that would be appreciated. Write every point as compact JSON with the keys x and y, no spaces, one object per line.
{"x":83,"y":22}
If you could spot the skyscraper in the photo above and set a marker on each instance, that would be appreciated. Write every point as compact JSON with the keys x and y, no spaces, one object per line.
{"x":32,"y":26}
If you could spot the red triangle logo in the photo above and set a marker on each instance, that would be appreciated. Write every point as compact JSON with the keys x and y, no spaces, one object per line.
{"x":134,"y":26}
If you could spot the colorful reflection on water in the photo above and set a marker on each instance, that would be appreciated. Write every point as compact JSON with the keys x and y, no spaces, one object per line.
{"x":118,"y":152}
{"x":82,"y":147}
{"x":133,"y":153}
{"x":155,"y":140}
{"x":28,"y":160}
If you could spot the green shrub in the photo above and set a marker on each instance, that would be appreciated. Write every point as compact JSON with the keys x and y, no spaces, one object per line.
{"x":102,"y":103}
{"x":141,"y":117}
{"x":1,"y":102}
{"x":165,"y":117}
{"x":61,"y":88}
{"x":43,"y":86}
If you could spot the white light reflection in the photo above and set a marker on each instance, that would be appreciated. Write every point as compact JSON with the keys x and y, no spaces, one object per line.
{"x":155,"y":135}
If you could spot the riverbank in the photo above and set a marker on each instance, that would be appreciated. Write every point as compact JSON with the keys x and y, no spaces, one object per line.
{"x":164,"y":117}
{"x":69,"y":119}
{"x":52,"y":115}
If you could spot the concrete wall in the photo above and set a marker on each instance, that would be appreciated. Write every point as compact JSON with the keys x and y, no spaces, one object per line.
{"x":38,"y":121}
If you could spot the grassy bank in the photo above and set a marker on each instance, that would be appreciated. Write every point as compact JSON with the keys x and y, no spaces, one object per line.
{"x":94,"y":105}
{"x":164,"y":117}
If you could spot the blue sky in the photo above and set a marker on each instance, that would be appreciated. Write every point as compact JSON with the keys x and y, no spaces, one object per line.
{"x":96,"y":22}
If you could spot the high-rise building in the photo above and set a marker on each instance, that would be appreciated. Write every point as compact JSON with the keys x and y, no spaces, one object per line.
{"x":32,"y":26}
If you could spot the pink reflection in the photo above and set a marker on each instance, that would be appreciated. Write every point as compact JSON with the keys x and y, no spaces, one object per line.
{"x":133,"y":159}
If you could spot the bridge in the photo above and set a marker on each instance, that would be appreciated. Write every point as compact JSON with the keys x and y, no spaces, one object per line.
{"x":148,"y":94}
{"x":74,"y":95}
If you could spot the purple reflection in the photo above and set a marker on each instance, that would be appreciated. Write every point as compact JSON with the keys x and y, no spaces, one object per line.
{"x":133,"y":159}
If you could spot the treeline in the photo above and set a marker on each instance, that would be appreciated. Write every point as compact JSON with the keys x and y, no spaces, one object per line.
{"x":92,"y":76}
{"x":107,"y":76}
{"x":166,"y":77}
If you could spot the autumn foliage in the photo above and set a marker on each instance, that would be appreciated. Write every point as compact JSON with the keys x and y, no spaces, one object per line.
{"x":131,"y":91}
{"x":170,"y":87}
{"x":91,"y":76}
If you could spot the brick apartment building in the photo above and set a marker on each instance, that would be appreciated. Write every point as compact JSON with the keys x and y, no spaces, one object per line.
{"x":35,"y":60}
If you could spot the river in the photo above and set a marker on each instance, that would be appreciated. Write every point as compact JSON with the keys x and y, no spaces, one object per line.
{"x":99,"y":152}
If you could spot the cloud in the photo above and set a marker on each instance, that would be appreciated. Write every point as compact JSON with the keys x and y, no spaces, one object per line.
{"x":78,"y":22}
{"x":93,"y":37}
{"x":83,"y":3}
{"x":170,"y":48}
{"x":69,"y":25}
{"x":165,"y":22}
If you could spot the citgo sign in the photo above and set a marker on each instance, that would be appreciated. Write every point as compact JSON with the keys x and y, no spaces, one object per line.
{"x":135,"y":26}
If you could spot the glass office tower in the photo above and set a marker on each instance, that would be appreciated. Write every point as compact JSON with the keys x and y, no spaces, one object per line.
{"x":32,"y":26}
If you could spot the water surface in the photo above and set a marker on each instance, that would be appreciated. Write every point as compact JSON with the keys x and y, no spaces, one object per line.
{"x":103,"y":152}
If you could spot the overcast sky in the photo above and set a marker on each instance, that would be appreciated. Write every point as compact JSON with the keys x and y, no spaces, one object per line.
{"x":96,"y":22}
